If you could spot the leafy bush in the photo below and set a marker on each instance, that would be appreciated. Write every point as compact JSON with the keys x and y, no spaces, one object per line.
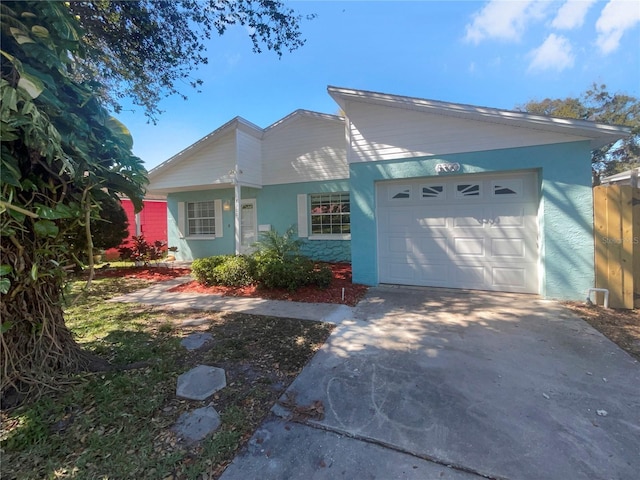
{"x":273,"y":245}
{"x":291,"y":273}
{"x":203,"y":269}
{"x":143,"y":251}
{"x":228,"y":270}
{"x":236,"y":271}
{"x":322,"y":276}
{"x":276,"y":264}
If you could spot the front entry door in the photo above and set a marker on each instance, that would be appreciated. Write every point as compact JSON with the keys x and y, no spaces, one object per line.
{"x":248,"y":225}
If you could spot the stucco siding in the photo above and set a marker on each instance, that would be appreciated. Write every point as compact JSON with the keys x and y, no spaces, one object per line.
{"x":327,"y":250}
{"x":304,"y":149}
{"x":275,"y":206}
{"x":388,"y":133}
{"x":190,"y":249}
{"x":566,"y":269}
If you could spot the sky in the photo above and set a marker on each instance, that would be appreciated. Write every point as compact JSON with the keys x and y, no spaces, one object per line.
{"x":498,"y":53}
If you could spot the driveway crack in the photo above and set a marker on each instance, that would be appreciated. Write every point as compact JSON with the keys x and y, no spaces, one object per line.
{"x":380,"y":443}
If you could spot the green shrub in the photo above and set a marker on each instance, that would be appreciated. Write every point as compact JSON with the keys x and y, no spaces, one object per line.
{"x":321,"y":276}
{"x":235,"y":271}
{"x":227,"y":270}
{"x":276,"y":264}
{"x":291,"y":273}
{"x":274,"y":245}
{"x":202,"y":269}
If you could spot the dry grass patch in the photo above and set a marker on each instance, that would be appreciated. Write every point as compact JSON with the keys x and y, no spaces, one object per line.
{"x":118,"y":423}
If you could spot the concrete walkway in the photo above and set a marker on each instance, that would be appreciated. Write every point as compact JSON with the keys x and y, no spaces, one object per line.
{"x":158,"y":294}
{"x":444,"y":384}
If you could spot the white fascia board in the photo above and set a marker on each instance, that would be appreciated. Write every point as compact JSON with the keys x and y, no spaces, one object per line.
{"x":303,"y":113}
{"x":188,"y":188}
{"x":626,"y":175}
{"x":599,"y":133}
{"x":234,"y":123}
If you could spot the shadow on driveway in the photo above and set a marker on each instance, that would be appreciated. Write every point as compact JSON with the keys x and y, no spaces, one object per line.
{"x":433,"y":383}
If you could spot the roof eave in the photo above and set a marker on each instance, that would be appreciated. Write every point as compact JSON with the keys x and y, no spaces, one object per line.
{"x":234,"y":123}
{"x":599,"y":134}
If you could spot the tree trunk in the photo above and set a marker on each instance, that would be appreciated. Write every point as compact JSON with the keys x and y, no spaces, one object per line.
{"x":36,"y":346}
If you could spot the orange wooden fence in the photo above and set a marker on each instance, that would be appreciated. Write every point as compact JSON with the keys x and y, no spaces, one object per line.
{"x":617,"y":243}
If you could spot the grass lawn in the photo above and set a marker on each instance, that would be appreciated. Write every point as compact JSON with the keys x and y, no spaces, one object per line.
{"x":118,"y":424}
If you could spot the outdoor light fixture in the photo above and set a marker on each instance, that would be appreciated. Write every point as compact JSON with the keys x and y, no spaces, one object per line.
{"x":226,"y":206}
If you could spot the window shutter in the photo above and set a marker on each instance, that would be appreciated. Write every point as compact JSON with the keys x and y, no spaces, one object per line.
{"x":181,"y":219}
{"x":303,"y":228}
{"x":217,"y":207}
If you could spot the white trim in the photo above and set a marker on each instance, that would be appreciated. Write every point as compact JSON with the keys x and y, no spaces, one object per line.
{"x":244,"y":249}
{"x":235,"y":123}
{"x":182,"y":223}
{"x":303,"y":113}
{"x":599,"y":133}
{"x":337,"y":236}
{"x":217,"y":211}
{"x":303,"y":227}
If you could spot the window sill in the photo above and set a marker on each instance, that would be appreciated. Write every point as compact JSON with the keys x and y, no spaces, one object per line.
{"x":199,"y":237}
{"x":330,"y":237}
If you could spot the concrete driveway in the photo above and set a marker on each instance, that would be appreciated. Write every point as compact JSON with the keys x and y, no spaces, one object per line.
{"x":444,"y":384}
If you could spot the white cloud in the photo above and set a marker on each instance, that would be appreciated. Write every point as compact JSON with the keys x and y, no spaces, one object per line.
{"x":555,"y":53}
{"x":616,"y":18}
{"x":504,"y":20}
{"x":571,"y":14}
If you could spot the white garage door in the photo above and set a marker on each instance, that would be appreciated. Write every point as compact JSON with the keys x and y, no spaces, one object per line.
{"x":463,"y":231}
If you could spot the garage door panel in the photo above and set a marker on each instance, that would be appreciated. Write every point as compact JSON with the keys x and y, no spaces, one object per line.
{"x":469,"y":276}
{"x":400,"y":219}
{"x":431,"y":217}
{"x":466,"y":217}
{"x":473,"y":247}
{"x":420,"y":247}
{"x":508,"y":247}
{"x":509,"y":277}
{"x":433,"y":274}
{"x":431,"y":247}
{"x":403,"y":273}
{"x":399,"y":245}
{"x":484,"y":239}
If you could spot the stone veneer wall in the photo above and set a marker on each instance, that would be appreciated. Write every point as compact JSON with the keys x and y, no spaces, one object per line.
{"x":327,"y":250}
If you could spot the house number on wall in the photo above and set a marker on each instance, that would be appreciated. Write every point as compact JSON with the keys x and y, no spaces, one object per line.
{"x":447,"y":167}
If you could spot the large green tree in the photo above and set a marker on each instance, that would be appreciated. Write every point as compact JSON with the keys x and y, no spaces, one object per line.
{"x":63,"y":66}
{"x":144,"y":49}
{"x":60,"y":147}
{"x":599,"y":105}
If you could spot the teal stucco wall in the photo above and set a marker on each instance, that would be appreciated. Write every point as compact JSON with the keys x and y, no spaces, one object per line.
{"x":276,"y":205}
{"x":190,"y":249}
{"x":565,"y":213}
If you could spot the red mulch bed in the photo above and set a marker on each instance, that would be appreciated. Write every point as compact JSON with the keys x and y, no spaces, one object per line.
{"x":353,"y":292}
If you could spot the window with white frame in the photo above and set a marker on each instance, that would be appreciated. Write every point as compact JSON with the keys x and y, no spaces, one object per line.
{"x":201,"y":218}
{"x":330,"y":214}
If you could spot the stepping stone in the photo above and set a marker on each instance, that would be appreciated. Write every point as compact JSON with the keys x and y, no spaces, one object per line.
{"x":201,"y":382}
{"x":195,"y":425}
{"x":196,"y":340}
